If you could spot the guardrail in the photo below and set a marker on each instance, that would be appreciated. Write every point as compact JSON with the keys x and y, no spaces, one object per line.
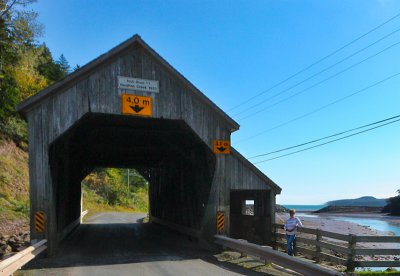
{"x":15,"y":262}
{"x":338,"y":248}
{"x":84,"y":213}
{"x":268,"y":254}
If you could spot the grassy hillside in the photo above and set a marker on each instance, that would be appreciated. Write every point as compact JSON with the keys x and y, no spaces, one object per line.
{"x":14,"y":181}
{"x":107,"y":189}
{"x":103,"y":189}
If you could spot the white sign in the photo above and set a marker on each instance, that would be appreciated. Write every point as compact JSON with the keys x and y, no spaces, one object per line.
{"x":138,"y":84}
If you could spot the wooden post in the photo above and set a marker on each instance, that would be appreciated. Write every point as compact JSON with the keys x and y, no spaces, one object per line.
{"x":274,"y":236}
{"x":351,"y":255}
{"x":318,"y":247}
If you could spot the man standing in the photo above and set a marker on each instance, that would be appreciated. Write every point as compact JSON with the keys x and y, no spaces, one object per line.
{"x":291,"y":230}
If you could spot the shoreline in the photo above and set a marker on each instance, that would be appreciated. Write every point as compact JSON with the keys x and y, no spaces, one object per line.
{"x":329,"y":222}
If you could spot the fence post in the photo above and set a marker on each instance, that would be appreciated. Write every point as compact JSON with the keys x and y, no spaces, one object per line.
{"x":318,"y":247}
{"x":350,"y":257}
{"x":274,"y":236}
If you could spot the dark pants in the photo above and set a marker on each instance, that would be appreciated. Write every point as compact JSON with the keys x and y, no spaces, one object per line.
{"x":290,"y":242}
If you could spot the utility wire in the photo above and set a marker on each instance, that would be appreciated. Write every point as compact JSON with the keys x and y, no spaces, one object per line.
{"x":315,"y":63}
{"x":324,"y":70}
{"x":326,"y":137}
{"x":318,"y":83}
{"x":319,"y":145}
{"x":322,"y":107}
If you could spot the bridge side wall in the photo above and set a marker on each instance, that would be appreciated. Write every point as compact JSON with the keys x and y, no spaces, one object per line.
{"x":235,"y":173}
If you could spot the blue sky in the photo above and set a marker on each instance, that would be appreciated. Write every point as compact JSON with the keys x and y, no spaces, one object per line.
{"x":233,"y":50}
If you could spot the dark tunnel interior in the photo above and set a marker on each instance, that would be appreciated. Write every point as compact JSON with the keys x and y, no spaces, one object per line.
{"x":178,"y":165}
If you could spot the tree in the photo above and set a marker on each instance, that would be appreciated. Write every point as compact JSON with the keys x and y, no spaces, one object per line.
{"x":64,"y":65}
{"x":393,"y":206}
{"x":48,"y":67}
{"x":26,"y":67}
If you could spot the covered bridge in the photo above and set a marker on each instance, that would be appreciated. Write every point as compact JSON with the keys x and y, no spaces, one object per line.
{"x":130,"y":108}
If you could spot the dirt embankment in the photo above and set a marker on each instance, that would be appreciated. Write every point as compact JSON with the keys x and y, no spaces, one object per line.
{"x":14,"y":198}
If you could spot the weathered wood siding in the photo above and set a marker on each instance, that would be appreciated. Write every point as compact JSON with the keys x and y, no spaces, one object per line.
{"x":96,"y":91}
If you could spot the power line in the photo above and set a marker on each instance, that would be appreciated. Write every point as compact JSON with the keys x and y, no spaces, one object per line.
{"x":326,"y":69}
{"x":323,"y":138}
{"x":329,"y":142}
{"x":317,"y":62}
{"x":322,"y":107}
{"x":318,"y":83}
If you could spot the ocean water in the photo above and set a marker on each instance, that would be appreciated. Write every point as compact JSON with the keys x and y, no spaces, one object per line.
{"x":381,"y":225}
{"x":303,"y":208}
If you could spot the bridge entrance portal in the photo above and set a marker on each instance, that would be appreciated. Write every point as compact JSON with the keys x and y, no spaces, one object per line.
{"x":177,"y":164}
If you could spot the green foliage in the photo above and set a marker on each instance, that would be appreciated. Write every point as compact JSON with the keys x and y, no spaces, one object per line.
{"x":14,"y":195}
{"x":48,"y":68}
{"x":25,"y":66}
{"x":15,"y":128}
{"x":393,"y":206}
{"x":109,"y":187}
{"x":389,"y":271}
{"x":63,"y":65}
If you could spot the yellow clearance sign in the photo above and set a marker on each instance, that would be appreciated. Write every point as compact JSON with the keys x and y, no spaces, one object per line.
{"x":137,"y":105}
{"x":222,"y":147}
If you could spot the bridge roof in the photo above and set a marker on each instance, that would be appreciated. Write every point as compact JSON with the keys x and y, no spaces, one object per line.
{"x":24,"y":107}
{"x":267,"y":180}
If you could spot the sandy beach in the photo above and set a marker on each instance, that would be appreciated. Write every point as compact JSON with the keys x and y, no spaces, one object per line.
{"x":330,"y":222}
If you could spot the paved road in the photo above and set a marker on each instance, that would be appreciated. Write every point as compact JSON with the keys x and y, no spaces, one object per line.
{"x":119,"y":244}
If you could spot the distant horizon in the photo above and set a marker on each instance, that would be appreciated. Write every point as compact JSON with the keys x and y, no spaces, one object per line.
{"x":315,"y":204}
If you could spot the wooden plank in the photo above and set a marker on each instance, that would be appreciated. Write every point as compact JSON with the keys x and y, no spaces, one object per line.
{"x":378,"y":239}
{"x":306,"y":251}
{"x":334,"y":247}
{"x":323,"y":233}
{"x":281,"y":235}
{"x":376,"y":251}
{"x":281,"y":244}
{"x":307,"y":230}
{"x":306,"y":241}
{"x":334,"y":259}
{"x":377,"y":263}
{"x":336,"y":236}
{"x":324,"y":256}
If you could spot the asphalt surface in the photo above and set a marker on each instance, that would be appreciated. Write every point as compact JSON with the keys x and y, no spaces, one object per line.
{"x":120,"y":244}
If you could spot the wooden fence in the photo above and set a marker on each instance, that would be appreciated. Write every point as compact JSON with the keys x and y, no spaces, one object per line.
{"x":340,"y":249}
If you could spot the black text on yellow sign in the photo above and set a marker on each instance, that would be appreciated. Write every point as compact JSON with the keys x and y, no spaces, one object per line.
{"x":39,"y":222}
{"x":222,"y":147}
{"x":137,"y":105}
{"x":220,"y":222}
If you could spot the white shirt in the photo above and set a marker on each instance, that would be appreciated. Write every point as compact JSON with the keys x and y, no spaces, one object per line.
{"x":291,"y":226}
